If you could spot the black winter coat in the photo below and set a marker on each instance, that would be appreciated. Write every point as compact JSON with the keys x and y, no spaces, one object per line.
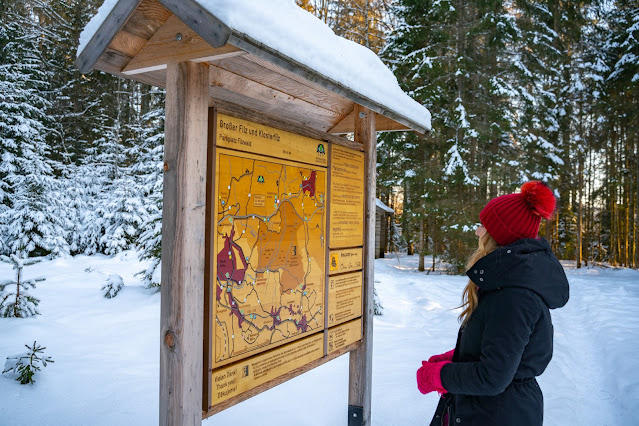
{"x":507,"y":341}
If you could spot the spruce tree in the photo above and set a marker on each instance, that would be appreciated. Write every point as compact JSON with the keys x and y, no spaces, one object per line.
{"x":30,"y":223}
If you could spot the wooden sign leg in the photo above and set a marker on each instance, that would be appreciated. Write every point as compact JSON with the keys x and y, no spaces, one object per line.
{"x":361,"y":359}
{"x":183,"y":232}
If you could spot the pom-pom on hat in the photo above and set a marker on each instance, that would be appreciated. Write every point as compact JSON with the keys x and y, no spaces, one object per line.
{"x":515,"y":216}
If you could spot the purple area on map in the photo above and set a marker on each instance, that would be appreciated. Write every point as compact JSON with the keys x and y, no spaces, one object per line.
{"x":235,"y":310}
{"x":218,"y":292}
{"x":276,"y":317}
{"x":302,"y":325}
{"x":227,"y":261}
{"x":309,"y":184}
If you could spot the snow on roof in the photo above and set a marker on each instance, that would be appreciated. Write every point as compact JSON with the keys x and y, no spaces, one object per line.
{"x":383,"y":206}
{"x":94,"y":24}
{"x":299,"y":35}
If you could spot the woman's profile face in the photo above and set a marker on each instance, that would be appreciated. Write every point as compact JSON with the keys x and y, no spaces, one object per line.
{"x":480,"y":231}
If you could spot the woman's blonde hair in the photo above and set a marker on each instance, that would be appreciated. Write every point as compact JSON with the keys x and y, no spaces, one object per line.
{"x":470,"y":298}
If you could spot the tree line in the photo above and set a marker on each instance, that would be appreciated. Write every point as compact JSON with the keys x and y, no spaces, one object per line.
{"x":80,"y":155}
{"x":518,"y":90}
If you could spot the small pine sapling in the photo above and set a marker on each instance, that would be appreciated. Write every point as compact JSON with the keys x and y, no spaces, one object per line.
{"x":15,"y":300}
{"x":378,"y":308}
{"x":114,"y":284}
{"x":26,"y":364}
{"x":150,"y":277}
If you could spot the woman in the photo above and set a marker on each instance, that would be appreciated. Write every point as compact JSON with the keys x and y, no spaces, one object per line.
{"x":506,"y":334}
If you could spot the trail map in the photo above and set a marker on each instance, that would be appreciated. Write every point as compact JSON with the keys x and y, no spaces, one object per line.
{"x":270,"y":253}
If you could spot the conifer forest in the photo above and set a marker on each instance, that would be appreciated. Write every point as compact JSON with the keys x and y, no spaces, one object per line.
{"x":518,"y":90}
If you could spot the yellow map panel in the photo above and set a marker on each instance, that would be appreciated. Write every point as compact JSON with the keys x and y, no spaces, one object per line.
{"x":269,"y":250}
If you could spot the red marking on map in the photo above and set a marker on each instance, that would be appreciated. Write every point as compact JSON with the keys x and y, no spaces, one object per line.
{"x":302,"y":325}
{"x":309,"y":185}
{"x":218,"y":292}
{"x":235,"y":310}
{"x":276,"y":317}
{"x":227,"y":261}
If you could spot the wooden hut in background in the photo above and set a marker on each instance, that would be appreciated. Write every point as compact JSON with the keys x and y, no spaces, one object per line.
{"x":383,"y":214}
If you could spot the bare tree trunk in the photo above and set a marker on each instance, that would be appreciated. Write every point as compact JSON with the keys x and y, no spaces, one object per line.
{"x":421,"y":243}
{"x":434,"y":255}
{"x":580,"y":212}
{"x":636,"y":224}
{"x":626,"y":237}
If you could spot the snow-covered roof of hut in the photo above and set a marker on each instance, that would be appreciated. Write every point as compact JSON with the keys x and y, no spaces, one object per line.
{"x":268,"y":51}
{"x":379,"y":203}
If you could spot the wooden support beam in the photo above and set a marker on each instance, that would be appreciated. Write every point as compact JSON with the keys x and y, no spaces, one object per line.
{"x":127,"y":43}
{"x":175,"y":42}
{"x":101,"y":39}
{"x":278,"y":78}
{"x":278,"y":122}
{"x":270,"y":100}
{"x":147,"y":18}
{"x":183,"y":238}
{"x":382,"y":124}
{"x":361,"y":359}
{"x":195,"y":16}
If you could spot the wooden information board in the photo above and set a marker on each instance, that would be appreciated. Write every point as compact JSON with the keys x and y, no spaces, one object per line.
{"x":280,"y":299}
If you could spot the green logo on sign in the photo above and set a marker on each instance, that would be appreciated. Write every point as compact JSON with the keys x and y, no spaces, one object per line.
{"x":320,"y":149}
{"x":260,"y":179}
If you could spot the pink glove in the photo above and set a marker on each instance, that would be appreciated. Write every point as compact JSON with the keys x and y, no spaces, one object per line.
{"x":448,"y":356}
{"x":429,"y":377}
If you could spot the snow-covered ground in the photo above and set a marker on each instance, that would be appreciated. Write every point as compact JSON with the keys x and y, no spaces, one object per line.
{"x":106,"y":351}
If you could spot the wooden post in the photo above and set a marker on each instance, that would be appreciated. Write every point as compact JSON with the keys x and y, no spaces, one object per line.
{"x":361,"y":359}
{"x":183,"y":234}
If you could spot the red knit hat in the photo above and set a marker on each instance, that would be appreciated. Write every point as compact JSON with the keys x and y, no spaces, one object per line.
{"x":515,"y":216}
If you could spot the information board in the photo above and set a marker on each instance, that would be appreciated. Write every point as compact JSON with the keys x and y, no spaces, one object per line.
{"x":232,"y":380}
{"x":274,"y":307}
{"x":345,"y":260}
{"x":347,"y":198}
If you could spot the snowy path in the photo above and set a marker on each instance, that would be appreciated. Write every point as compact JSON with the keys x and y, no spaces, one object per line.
{"x":107,"y":356}
{"x":596,"y":351}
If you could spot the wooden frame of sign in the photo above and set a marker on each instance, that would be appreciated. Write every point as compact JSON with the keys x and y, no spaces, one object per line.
{"x":338,"y":190}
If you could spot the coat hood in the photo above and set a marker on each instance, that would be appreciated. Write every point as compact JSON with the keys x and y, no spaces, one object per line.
{"x":526,"y":263}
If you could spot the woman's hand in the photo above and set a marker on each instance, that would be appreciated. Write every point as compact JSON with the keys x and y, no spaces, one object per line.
{"x":448,"y":356}
{"x":429,"y":377}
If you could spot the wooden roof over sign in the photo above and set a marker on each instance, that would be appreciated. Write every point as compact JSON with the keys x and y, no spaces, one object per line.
{"x":140,"y":37}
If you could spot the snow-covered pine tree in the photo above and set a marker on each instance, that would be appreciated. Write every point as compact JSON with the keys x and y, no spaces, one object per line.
{"x":15,"y":300}
{"x":120,"y":204}
{"x":30,"y":222}
{"x":112,"y":286}
{"x":79,"y":103}
{"x":26,"y":364}
{"x":551,"y":60}
{"x":454,"y":57}
{"x":149,"y":171}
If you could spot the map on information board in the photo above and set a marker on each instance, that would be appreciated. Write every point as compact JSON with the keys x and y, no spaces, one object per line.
{"x":270,"y":253}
